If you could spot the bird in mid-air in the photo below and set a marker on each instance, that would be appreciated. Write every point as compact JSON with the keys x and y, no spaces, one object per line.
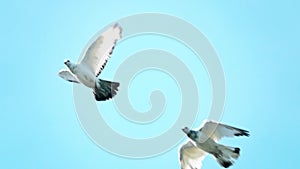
{"x":91,"y":65}
{"x":205,"y":141}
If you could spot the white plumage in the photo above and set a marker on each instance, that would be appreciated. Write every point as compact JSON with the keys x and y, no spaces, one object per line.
{"x":190,"y":156}
{"x":87,"y":70}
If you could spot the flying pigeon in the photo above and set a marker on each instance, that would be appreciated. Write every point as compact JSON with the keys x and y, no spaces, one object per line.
{"x":205,"y":141}
{"x":88,"y":69}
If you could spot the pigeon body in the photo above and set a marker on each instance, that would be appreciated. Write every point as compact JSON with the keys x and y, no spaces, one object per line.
{"x":205,"y":141}
{"x":82,"y":73}
{"x":95,"y":58}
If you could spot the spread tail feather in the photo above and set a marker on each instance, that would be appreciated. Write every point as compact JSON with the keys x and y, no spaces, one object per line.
{"x":224,"y":162}
{"x":226,"y":155}
{"x":105,"y":90}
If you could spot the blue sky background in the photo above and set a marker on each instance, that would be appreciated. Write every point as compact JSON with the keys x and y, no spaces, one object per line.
{"x":257,"y":43}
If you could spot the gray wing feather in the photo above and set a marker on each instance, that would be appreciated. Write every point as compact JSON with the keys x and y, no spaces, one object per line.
{"x":217,"y":130}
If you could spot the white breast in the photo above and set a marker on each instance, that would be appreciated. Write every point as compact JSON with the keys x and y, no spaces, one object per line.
{"x":85,"y":76}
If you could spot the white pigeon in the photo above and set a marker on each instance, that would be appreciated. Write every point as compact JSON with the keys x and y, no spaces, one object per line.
{"x":87,"y":70}
{"x":205,"y":141}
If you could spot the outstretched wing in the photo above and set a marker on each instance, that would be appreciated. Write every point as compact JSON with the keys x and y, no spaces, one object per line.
{"x":67,"y":75}
{"x":100,"y":50}
{"x":217,"y":130}
{"x":191,"y":156}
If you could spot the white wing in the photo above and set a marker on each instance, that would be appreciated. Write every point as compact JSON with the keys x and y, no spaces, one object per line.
{"x":99,"y":52}
{"x":217,"y":130}
{"x":191,"y":156}
{"x":67,"y":75}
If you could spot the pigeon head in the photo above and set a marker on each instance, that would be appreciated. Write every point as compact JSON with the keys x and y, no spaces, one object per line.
{"x":190,"y":133}
{"x":69,"y":64}
{"x":186,"y":130}
{"x":66,"y":62}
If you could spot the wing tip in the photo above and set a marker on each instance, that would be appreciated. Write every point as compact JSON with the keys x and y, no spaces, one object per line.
{"x":243,"y":133}
{"x":118,"y":26}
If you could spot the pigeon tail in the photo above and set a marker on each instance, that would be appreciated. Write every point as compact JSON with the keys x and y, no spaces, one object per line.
{"x":224,"y":162}
{"x":105,"y":90}
{"x":225,"y":155}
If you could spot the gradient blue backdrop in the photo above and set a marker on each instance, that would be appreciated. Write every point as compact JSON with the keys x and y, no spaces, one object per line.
{"x":257,"y":42}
